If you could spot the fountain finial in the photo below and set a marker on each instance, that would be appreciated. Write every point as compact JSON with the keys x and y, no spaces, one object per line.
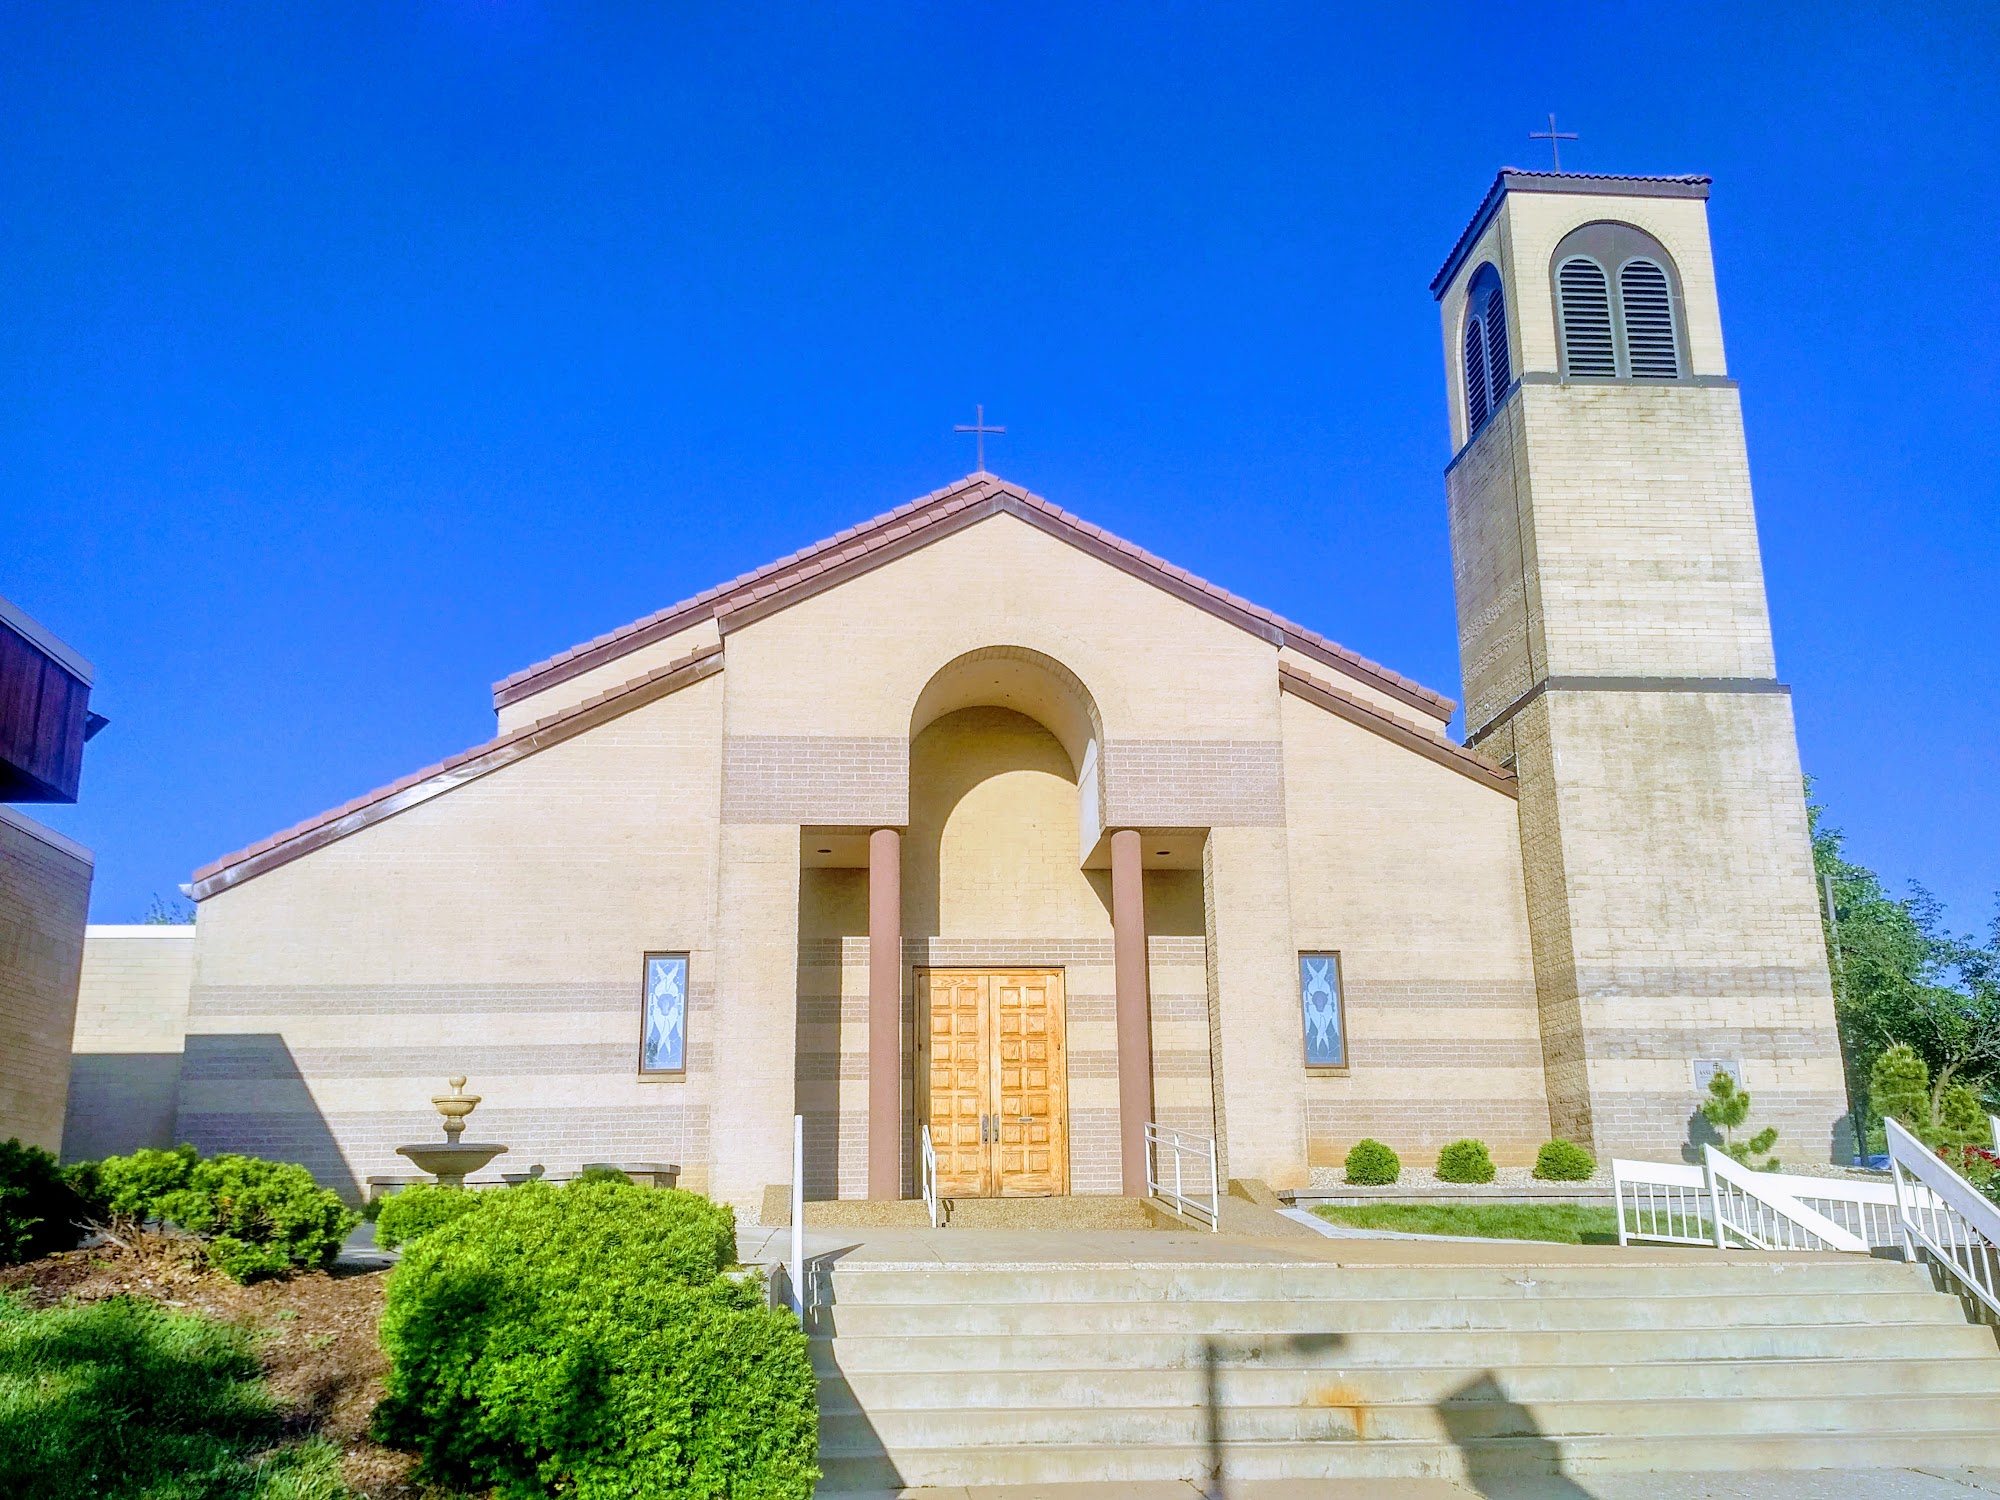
{"x":455,"y":1106}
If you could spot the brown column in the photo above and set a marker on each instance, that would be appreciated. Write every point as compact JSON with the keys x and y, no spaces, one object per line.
{"x":1135,"y":1009}
{"x":885,"y":1013}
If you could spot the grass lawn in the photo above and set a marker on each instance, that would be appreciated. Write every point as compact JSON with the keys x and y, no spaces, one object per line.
{"x":131,"y":1401}
{"x":1562,"y":1223}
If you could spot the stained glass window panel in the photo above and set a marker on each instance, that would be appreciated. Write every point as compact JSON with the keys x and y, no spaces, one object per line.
{"x":1326,"y":1026}
{"x":663,"y":1032}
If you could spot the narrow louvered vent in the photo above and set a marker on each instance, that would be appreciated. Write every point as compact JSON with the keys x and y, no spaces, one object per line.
{"x":1650,"y":345}
{"x":1475,"y":377}
{"x":1499,"y":369}
{"x":1586,"y":320}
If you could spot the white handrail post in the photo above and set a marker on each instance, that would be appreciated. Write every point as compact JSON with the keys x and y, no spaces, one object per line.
{"x":1902,"y":1207}
{"x":1618,"y":1200}
{"x":1993,"y":1129}
{"x":1714,"y":1198}
{"x":1214,"y":1187}
{"x":797,"y":1269}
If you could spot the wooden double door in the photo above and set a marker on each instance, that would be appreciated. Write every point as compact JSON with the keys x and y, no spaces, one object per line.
{"x":996,"y":1088}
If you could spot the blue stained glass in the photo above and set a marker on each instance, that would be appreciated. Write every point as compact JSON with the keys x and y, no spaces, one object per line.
{"x":663,"y":1047}
{"x":1319,"y":991}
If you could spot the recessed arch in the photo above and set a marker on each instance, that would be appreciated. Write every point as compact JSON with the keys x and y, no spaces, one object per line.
{"x":1028,"y":681}
{"x":1619,"y":314}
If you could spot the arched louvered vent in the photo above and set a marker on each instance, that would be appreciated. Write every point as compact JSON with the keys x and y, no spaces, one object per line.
{"x":1476,"y":406}
{"x":1586,"y":320}
{"x":1650,"y":344}
{"x":1499,"y":370}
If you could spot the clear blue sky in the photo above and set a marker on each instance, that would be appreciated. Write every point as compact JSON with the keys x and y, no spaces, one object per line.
{"x":353,"y":356}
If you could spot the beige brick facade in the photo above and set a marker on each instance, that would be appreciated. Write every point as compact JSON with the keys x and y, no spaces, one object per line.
{"x":989,"y":689}
{"x":44,"y":901}
{"x":131,"y":1028}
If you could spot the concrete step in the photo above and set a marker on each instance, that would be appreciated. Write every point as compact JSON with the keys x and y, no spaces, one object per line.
{"x":1479,"y":1412}
{"x":943,"y":1353}
{"x":1325,"y":1281}
{"x":1355,"y":1315}
{"x":1474,"y":1459}
{"x":1337,"y":1384}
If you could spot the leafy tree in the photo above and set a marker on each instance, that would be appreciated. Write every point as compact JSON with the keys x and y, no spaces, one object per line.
{"x":169,"y":912}
{"x":1900,"y":977}
{"x":1726,"y":1108}
{"x":1900,"y":1088}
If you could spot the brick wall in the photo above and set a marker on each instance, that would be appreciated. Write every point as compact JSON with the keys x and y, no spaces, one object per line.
{"x":44,"y":901}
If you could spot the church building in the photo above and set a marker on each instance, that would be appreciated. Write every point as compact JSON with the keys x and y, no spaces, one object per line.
{"x":977,"y":822}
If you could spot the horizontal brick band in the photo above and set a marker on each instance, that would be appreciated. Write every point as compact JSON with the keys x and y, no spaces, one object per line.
{"x":1675,"y":1043}
{"x":1626,"y":685}
{"x":210,"y":1058}
{"x":1441,"y":994}
{"x":1677,"y":981}
{"x":829,"y":779}
{"x":1194,"y":783}
{"x":233,"y":1001}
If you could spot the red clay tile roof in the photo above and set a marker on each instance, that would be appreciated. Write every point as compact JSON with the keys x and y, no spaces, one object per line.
{"x":454,"y":770}
{"x":928,"y":518}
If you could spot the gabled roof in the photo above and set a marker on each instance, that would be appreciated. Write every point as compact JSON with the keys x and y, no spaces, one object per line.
{"x":453,"y":771}
{"x":930,"y":518}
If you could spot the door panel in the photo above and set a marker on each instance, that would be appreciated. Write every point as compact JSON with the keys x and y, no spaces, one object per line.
{"x":1029,"y":1095}
{"x":959,"y":1049}
{"x":998,"y":1093}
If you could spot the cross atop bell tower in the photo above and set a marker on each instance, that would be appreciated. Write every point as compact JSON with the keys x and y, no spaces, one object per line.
{"x":1616,"y":650}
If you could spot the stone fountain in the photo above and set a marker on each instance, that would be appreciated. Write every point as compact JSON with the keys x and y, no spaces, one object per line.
{"x":450,"y":1162}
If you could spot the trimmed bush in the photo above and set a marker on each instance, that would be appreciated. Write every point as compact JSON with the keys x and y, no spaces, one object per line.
{"x":1465,"y":1161}
{"x":260,"y":1218}
{"x":1372,"y":1164}
{"x":583,"y":1341}
{"x":38,"y":1209}
{"x":127,"y":1189}
{"x":1564,"y":1161}
{"x":419,"y":1209}
{"x":602,"y":1174}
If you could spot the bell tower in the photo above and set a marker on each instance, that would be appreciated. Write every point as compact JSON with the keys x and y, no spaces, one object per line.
{"x":1616,"y":649}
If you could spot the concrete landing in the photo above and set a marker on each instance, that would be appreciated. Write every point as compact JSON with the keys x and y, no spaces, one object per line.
{"x":1811,"y":1484}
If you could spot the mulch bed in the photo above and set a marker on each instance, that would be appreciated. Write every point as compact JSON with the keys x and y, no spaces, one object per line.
{"x":320,"y":1351}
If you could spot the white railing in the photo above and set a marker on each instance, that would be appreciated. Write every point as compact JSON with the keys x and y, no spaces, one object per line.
{"x":796,"y":1267}
{"x":1662,"y":1201}
{"x":1676,"y":1204}
{"x":1942,"y":1213}
{"x":1189,"y":1185}
{"x":927,"y":1172}
{"x":1756,"y":1208}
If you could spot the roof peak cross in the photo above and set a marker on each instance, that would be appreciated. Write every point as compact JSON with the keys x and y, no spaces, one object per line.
{"x":979,"y":429}
{"x":1554,"y":137}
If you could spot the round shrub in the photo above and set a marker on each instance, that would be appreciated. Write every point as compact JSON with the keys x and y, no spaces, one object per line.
{"x":1372,"y":1164}
{"x":1564,"y":1161}
{"x":260,"y":1218}
{"x":38,"y":1209}
{"x":1465,"y":1161}
{"x":583,"y":1341}
{"x":127,"y":1189}
{"x":419,"y":1209}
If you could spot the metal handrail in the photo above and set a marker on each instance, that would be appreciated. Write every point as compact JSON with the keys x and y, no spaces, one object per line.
{"x":927,"y":1172}
{"x":1944,"y":1214}
{"x":796,"y":1268}
{"x":1188,"y":1146}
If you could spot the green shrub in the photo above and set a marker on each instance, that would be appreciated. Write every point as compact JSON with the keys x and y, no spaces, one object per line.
{"x":260,"y":1218}
{"x":418,"y":1210}
{"x":1465,"y":1161}
{"x":38,"y":1209}
{"x":601,"y":1174}
{"x":583,"y":1341}
{"x":1372,"y":1164}
{"x":128,"y":1189}
{"x":1564,"y":1161}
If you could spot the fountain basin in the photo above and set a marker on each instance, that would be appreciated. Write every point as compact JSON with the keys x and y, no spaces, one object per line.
{"x":449,"y":1163}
